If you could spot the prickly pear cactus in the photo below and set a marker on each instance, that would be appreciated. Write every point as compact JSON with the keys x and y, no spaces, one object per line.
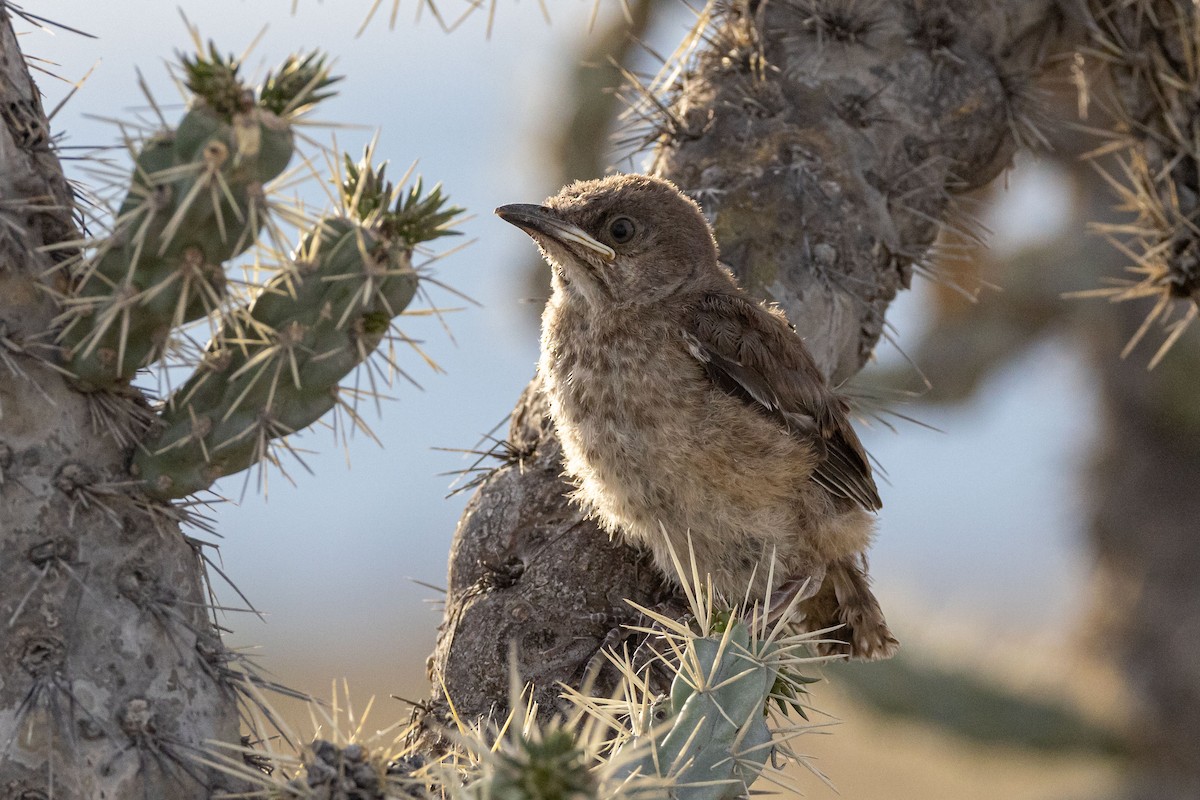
{"x":195,"y":200}
{"x":275,"y":367}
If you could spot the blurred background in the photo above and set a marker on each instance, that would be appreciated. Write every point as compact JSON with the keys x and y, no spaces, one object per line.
{"x":992,"y":559}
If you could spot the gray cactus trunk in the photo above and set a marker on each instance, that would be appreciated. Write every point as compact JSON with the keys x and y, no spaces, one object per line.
{"x":111,"y":672}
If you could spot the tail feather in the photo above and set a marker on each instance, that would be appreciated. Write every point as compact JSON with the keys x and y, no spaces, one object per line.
{"x":845,"y":600}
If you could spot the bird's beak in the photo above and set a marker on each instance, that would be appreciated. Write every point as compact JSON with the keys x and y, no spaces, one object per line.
{"x":544,"y":222}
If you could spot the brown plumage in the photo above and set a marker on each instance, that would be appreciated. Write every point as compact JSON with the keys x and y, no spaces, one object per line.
{"x":686,"y":407}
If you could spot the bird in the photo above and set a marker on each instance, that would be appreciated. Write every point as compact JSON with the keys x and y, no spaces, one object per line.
{"x":692,"y":417}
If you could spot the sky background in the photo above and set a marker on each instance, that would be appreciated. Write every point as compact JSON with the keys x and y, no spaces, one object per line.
{"x":981,"y":525}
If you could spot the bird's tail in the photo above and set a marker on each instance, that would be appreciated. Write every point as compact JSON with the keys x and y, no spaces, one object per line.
{"x":845,"y":599}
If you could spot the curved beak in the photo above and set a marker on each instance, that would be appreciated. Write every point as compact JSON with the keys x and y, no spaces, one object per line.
{"x":542,"y":221}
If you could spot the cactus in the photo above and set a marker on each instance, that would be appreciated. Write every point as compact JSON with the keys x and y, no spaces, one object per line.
{"x":1151,"y":53}
{"x":140,"y":665}
{"x":345,"y":758}
{"x":725,"y":723}
{"x":710,"y":739}
{"x":275,"y":367}
{"x":195,"y":201}
{"x":539,"y":765}
{"x":716,"y":738}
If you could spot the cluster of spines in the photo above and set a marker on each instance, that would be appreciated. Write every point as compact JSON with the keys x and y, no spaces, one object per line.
{"x":345,"y":759}
{"x":1152,"y":54}
{"x":275,"y":367}
{"x":526,"y":761}
{"x":194,"y":201}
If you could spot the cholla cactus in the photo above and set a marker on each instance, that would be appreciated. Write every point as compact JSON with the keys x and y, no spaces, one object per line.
{"x":343,"y":760}
{"x":275,"y":367}
{"x":545,"y":765}
{"x":736,"y":703}
{"x":718,"y":739}
{"x":200,"y":194}
{"x":195,"y":200}
{"x":729,"y":717}
{"x":1152,"y":54}
{"x":521,"y":759}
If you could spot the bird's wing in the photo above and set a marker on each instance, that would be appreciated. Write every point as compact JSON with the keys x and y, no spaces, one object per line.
{"x":752,"y":353}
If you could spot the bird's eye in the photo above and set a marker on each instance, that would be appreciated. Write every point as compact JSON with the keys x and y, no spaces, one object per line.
{"x":622,"y":229}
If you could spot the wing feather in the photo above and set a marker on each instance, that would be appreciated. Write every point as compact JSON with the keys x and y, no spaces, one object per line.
{"x":750,"y":352}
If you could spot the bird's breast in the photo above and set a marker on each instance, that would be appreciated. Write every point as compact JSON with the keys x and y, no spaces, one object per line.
{"x":626,"y":378}
{"x":633,"y":406}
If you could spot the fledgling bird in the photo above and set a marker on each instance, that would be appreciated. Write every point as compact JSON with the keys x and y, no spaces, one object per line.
{"x":683,"y":405}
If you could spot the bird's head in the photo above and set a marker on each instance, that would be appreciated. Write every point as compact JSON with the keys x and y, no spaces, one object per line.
{"x":625,"y":239}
